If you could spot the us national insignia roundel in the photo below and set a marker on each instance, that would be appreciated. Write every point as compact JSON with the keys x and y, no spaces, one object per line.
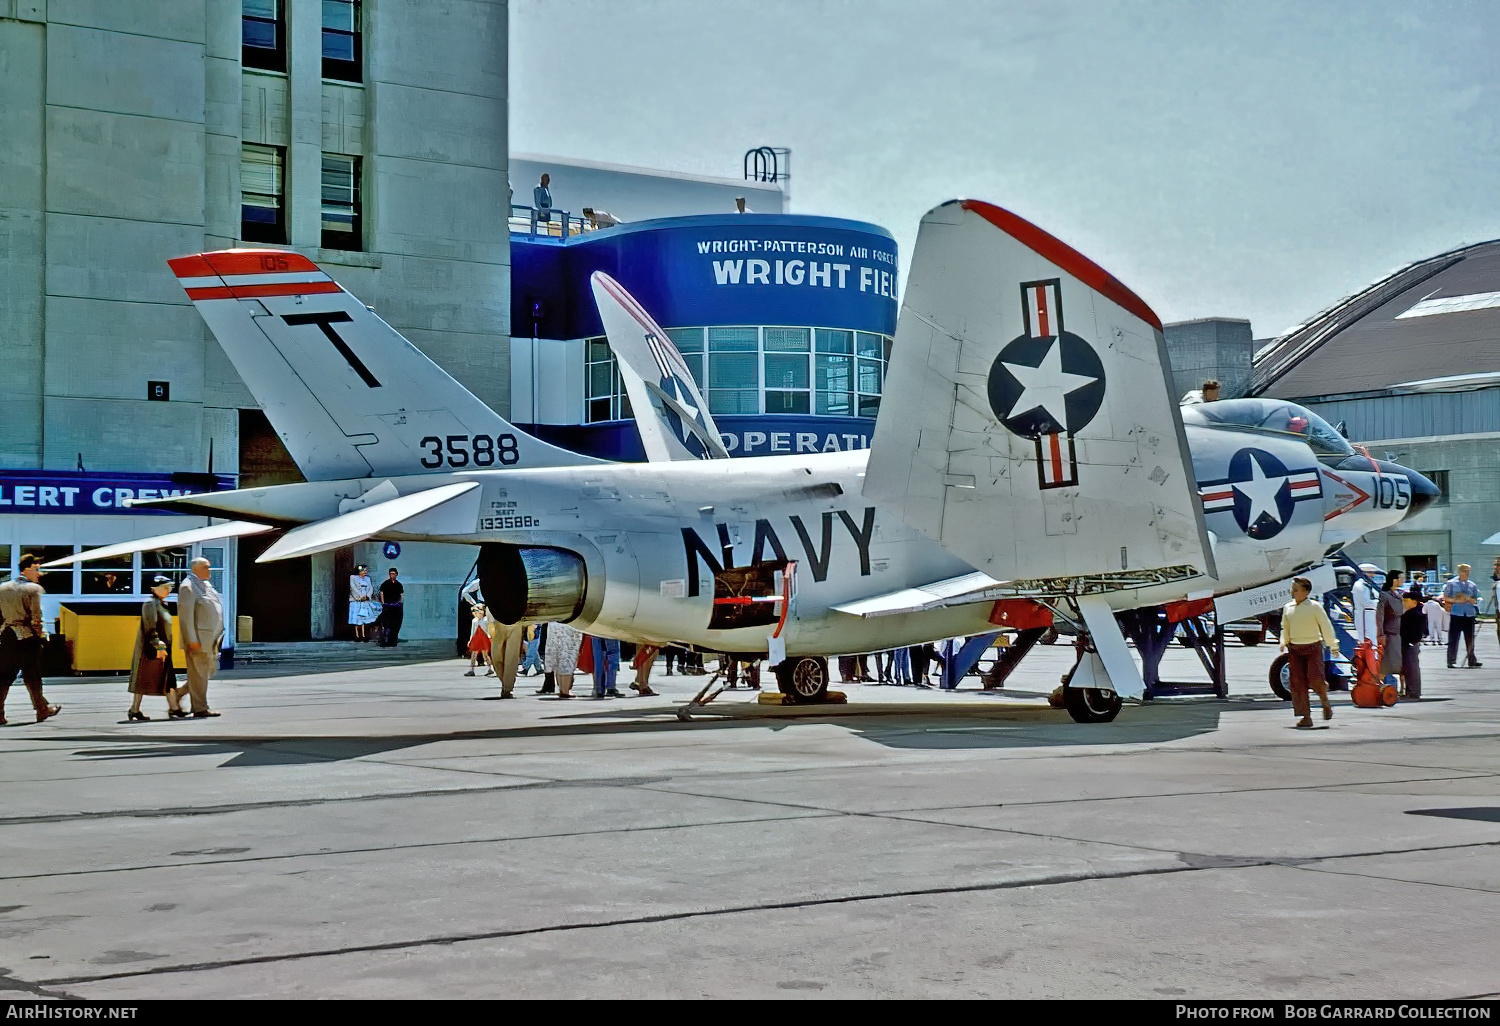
{"x":1047,"y":384}
{"x":671,"y":383}
{"x":1261,"y":492}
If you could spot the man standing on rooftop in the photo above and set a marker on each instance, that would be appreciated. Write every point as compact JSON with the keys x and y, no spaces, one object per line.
{"x":541,"y":199}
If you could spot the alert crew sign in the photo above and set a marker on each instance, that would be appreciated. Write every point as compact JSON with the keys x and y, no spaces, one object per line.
{"x":75,"y":493}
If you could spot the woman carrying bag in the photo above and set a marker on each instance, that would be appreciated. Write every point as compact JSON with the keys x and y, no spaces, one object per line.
{"x":151,"y":670}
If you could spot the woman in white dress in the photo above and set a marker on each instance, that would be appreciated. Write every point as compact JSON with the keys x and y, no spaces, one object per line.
{"x":363,"y":609}
{"x":561,"y":659}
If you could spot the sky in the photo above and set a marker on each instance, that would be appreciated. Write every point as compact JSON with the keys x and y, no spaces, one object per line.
{"x":1258,"y":159}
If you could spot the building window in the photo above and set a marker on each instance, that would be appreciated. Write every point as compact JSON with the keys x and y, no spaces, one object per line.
{"x":54,"y":582}
{"x":689,"y":342}
{"x":262,"y":193}
{"x":788,"y":375}
{"x":341,"y":218}
{"x":215,"y":554}
{"x":605,"y":397}
{"x":171,"y":562}
{"x":341,"y":44}
{"x":835,"y":372}
{"x":734,"y":370}
{"x":749,"y":371}
{"x":1439,"y":478}
{"x":113,"y":576}
{"x":263,"y":34}
{"x":871,"y":353}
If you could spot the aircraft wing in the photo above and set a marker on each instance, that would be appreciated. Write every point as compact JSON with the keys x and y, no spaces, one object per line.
{"x":954,"y":591}
{"x":231,"y":529}
{"x":656,"y":379}
{"x":1028,"y":425}
{"x":365,"y":521}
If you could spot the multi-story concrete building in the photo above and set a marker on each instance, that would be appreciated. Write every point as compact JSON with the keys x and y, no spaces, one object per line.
{"x":1210,"y":349}
{"x":370,"y":136}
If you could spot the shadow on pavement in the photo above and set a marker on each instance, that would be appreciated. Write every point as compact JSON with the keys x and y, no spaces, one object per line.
{"x":1483,"y":814}
{"x":932,"y":728}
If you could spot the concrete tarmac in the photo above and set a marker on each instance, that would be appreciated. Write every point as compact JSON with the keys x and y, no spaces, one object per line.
{"x":386,"y":833}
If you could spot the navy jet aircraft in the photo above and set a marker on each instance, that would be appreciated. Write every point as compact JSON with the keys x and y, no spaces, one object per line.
{"x":1027,"y":450}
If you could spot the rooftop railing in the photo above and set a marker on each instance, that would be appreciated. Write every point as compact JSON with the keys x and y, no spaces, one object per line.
{"x":553,"y":223}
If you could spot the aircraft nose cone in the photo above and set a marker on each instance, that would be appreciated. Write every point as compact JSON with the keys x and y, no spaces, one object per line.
{"x":1423,"y":492}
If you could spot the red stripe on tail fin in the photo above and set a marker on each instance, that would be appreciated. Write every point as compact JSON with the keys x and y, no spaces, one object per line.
{"x":257,"y":261}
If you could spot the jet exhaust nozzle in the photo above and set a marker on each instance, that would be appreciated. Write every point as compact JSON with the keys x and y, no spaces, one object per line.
{"x":532,"y":584}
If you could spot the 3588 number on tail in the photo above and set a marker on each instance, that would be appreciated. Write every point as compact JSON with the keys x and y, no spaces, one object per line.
{"x":470,"y":450}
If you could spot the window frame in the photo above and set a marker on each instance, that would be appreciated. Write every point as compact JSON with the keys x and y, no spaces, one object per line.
{"x":264,"y":58}
{"x":613,"y":403}
{"x":339,"y":68}
{"x":353,"y":239}
{"x":861,"y":403}
{"x":1443,"y":479}
{"x":260,"y":231}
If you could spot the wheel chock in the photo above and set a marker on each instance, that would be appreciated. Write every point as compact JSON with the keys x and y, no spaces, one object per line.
{"x":777,"y":698}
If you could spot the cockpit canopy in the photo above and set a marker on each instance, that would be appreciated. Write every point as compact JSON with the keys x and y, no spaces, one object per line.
{"x":1272,"y":417}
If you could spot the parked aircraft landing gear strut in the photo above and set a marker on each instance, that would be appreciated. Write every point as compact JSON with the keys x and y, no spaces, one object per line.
{"x":1103,"y":659}
{"x":1086,"y":704}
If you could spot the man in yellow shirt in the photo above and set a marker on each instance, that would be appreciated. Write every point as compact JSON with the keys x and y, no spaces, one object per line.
{"x":1305,"y":629}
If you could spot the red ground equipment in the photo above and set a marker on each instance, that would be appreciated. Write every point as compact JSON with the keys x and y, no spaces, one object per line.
{"x":1370,"y":690}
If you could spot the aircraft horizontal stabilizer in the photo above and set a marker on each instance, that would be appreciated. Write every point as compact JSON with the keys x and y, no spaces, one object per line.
{"x":362,"y":523}
{"x":955,"y":591}
{"x":1028,"y":424}
{"x":230,"y":529}
{"x":657,"y":380}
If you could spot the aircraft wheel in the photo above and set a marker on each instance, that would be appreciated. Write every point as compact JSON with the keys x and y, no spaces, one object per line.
{"x":1251,"y":638}
{"x":804,"y":679}
{"x":1091,"y":705}
{"x":1281,"y":677}
{"x":1050,"y":637}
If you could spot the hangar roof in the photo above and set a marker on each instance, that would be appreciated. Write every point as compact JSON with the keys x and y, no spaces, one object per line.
{"x":1435,"y":318}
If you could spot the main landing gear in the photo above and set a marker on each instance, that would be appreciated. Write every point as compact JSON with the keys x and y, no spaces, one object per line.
{"x":1091,"y":689}
{"x":803,"y":679}
{"x":1088,"y":704}
{"x":1091,"y":705}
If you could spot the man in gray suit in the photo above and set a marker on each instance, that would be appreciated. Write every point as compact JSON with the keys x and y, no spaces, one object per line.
{"x":200,"y":615}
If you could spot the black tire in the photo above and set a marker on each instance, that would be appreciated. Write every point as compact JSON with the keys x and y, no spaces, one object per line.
{"x":1250,"y":638}
{"x":1281,"y":677}
{"x":1050,"y":638}
{"x":1335,"y":680}
{"x":803,"y":680}
{"x":1091,"y":705}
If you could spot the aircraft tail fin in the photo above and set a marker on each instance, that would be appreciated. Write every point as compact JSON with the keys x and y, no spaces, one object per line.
{"x":347,"y":394}
{"x":670,"y":412}
{"x":1034,"y":434}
